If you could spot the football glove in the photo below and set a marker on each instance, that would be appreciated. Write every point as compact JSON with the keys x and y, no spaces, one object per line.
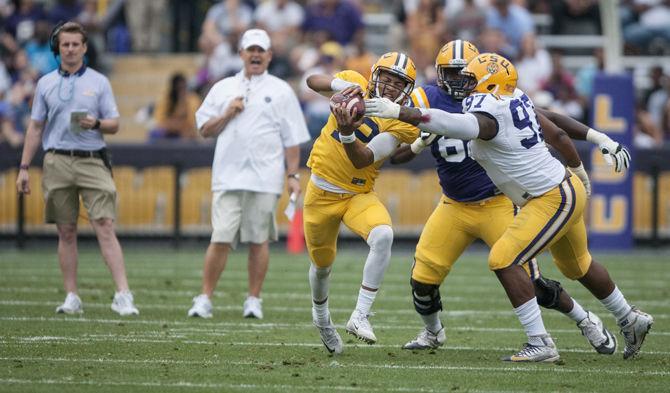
{"x":423,"y":141}
{"x":382,"y":107}
{"x":615,"y":154}
{"x":580,"y":172}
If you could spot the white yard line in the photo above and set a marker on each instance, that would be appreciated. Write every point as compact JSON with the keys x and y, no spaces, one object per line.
{"x":86,"y":340}
{"x":344,"y":364}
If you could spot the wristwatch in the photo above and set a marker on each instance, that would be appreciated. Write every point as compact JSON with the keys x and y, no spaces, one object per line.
{"x":293,"y":176}
{"x":96,"y":126}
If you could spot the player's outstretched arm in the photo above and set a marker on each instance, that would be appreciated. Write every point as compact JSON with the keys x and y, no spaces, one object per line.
{"x":560,"y":140}
{"x":464,"y":126}
{"x":615,"y":153}
{"x":328,"y":84}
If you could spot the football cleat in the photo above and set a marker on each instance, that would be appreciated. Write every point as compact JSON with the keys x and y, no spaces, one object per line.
{"x":359,"y":326}
{"x":123,"y":304}
{"x":634,"y":327}
{"x":427,"y":340}
{"x":533,"y":353}
{"x":252,"y":308}
{"x":202,"y":307}
{"x":329,"y":336}
{"x":71,"y":305}
{"x":599,"y":337}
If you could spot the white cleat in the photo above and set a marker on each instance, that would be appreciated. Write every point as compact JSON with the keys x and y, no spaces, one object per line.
{"x":546,"y":353}
{"x":202,"y":307}
{"x":599,"y":337}
{"x":634,"y":327}
{"x":359,"y":326}
{"x":123,"y":304}
{"x":252,"y":308}
{"x":71,"y":305}
{"x":427,"y":340}
{"x":329,"y":336}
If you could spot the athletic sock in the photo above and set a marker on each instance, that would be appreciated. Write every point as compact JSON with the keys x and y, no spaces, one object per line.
{"x":577,"y":313}
{"x":530,"y":316}
{"x":616,"y":304}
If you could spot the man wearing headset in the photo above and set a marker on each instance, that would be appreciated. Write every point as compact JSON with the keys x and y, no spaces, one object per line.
{"x":72,"y":109}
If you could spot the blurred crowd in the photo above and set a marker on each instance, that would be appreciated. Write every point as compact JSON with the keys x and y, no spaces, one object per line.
{"x":325,"y":36}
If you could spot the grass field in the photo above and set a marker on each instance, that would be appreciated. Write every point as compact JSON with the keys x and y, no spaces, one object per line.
{"x":164,"y":351}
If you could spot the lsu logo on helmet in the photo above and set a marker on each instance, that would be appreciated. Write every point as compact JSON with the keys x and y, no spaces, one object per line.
{"x":398,"y":64}
{"x":491,"y":73}
{"x":450,"y":60}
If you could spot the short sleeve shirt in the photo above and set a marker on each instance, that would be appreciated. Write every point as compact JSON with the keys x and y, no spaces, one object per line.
{"x":57,"y":96}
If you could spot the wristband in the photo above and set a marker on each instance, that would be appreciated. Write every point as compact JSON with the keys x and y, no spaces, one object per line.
{"x":24,"y":166}
{"x":348,"y":138}
{"x":596,"y":137}
{"x":417,"y":146}
{"x":293,"y":176}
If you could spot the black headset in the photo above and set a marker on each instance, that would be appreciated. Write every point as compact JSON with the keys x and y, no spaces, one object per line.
{"x":53,"y":38}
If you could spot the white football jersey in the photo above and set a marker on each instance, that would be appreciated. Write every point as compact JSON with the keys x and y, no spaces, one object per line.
{"x":516,"y":159}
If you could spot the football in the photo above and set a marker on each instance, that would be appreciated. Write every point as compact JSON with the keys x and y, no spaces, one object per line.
{"x":353,"y":101}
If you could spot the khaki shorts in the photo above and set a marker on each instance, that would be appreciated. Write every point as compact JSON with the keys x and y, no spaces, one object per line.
{"x":65,"y":178}
{"x":243,"y":216}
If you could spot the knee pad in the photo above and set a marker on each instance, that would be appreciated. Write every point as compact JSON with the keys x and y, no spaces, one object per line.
{"x":547,"y":292}
{"x":380,"y":237}
{"x":426,"y":297}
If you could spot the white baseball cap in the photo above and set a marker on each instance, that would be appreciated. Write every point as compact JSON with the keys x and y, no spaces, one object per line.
{"x":256,"y":37}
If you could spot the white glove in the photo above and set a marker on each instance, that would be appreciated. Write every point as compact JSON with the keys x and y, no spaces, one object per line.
{"x":583,"y":176}
{"x":382,"y":107}
{"x":613,"y":152}
{"x":425,"y":140}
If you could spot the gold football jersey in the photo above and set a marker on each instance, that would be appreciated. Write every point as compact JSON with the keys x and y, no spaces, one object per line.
{"x":328,"y":159}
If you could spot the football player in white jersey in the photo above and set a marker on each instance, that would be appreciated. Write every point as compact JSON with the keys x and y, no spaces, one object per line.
{"x":508,"y":143}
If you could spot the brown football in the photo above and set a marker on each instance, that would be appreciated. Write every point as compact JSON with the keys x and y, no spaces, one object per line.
{"x":353,"y":101}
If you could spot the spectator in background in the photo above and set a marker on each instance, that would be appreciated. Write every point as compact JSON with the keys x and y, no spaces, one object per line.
{"x":8,"y":134}
{"x":226,"y":20}
{"x":316,"y":107}
{"x":359,"y":58}
{"x":658,"y":106}
{"x":513,"y":20}
{"x":282,"y":20}
{"x":494,"y":41}
{"x":175,"y":112}
{"x":146,"y":21}
{"x":651,"y":32}
{"x":533,"y":66}
{"x":646,"y":134}
{"x":64,"y":10}
{"x":656,"y":75}
{"x":466,"y":18}
{"x":340,"y":18}
{"x":21,"y":92}
{"x":425,"y":27}
{"x":21,"y":24}
{"x":586,"y":75}
{"x":256,"y":120}
{"x":73,"y":107}
{"x":39,"y":53}
{"x":561,"y":85}
{"x":575,"y":17}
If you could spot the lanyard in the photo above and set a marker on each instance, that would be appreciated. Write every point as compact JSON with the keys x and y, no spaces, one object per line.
{"x":69,"y":86}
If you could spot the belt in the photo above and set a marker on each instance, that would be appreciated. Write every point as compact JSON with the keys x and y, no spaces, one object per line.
{"x":78,"y":153}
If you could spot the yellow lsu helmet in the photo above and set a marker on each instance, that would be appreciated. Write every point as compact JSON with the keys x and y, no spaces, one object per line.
{"x":491,"y":73}
{"x":398,"y":64}
{"x":450,"y":60}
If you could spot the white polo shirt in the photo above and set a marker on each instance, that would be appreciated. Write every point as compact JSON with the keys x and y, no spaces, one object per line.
{"x":249,"y":151}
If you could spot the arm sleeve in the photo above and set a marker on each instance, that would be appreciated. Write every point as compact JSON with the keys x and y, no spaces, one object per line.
{"x":383,"y":145}
{"x":453,"y":125}
{"x":108,"y":108}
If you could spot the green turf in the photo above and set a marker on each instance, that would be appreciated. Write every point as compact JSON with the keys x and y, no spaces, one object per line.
{"x":164,"y":351}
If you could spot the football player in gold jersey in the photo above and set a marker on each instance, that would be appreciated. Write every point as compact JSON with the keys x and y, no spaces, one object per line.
{"x":344,"y":163}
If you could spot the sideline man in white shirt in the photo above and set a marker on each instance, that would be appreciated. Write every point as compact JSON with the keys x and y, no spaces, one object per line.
{"x":258,"y":124}
{"x":509,"y":144}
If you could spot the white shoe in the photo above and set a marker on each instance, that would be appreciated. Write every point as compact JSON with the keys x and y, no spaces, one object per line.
{"x":71,"y":305}
{"x":329,"y":336}
{"x":123,"y":304}
{"x":359,"y":326}
{"x":546,"y":353}
{"x":427,"y":340}
{"x":202,"y":307}
{"x":599,"y":337}
{"x":252,"y":308}
{"x":634,"y":327}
